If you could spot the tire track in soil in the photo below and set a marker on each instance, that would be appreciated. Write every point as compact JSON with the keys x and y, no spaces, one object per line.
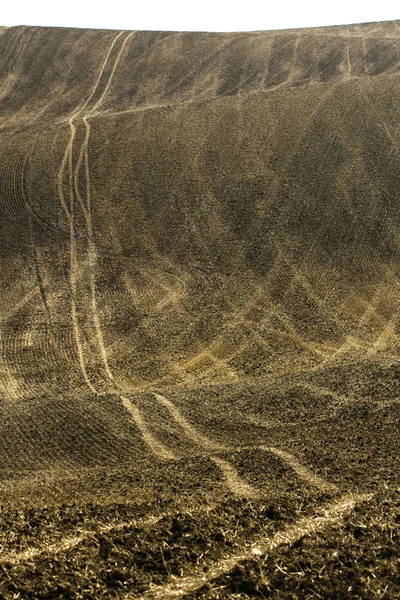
{"x":69,"y":212}
{"x":233,"y":481}
{"x":307,"y":526}
{"x":159,"y":450}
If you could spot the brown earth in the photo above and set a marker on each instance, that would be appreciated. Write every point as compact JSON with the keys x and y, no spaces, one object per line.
{"x":199,"y":313}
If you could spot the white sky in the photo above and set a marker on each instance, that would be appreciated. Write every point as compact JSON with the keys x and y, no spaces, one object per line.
{"x":188,"y":15}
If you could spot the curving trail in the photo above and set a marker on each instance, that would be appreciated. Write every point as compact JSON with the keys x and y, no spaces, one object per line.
{"x":235,"y":484}
{"x":301,"y":470}
{"x":159,"y":450}
{"x":307,"y":526}
{"x":67,"y":543}
{"x":69,"y":207}
{"x":190,"y":431}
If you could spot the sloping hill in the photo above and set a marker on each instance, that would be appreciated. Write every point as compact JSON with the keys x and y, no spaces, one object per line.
{"x":199,"y":306}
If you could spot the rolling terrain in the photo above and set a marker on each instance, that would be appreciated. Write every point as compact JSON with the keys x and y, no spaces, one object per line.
{"x":200,"y":313}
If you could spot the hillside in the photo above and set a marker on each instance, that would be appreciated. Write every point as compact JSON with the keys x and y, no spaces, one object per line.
{"x":200,"y":313}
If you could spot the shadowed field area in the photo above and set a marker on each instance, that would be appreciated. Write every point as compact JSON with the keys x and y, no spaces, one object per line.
{"x":200,"y":313}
